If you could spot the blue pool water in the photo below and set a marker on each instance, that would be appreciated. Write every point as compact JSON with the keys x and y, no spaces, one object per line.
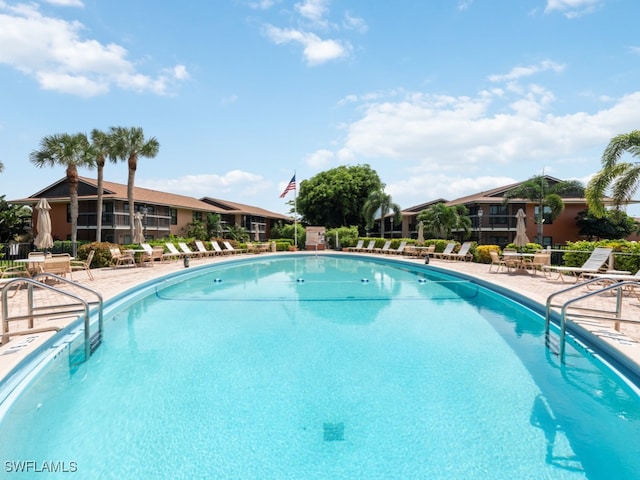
{"x":324,"y":367}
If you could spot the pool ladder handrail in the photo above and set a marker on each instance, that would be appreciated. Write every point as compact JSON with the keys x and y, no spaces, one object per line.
{"x":48,"y":311}
{"x":618,"y":286}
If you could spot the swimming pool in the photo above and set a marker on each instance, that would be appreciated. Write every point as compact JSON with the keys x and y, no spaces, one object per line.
{"x":324,"y":366}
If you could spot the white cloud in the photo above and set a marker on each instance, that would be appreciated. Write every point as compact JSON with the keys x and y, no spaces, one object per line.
{"x":313,"y":10}
{"x":52,"y":51}
{"x":65,"y":3}
{"x":572,"y":8}
{"x":527,"y":71}
{"x":316,"y":50}
{"x":237,"y":182}
{"x":320,"y":159}
{"x":354,"y":23}
{"x":262,"y":4}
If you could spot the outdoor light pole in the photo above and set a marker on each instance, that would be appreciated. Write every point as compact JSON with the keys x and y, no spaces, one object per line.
{"x":144,"y":215}
{"x":480,"y":213}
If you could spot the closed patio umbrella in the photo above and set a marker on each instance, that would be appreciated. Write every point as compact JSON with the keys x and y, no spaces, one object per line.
{"x":256,"y":233}
{"x":521,"y":230}
{"x":44,"y":239}
{"x":420,"y":233}
{"x":138,"y":237}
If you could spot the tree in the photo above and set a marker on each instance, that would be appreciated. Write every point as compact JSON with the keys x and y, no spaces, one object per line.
{"x":103,"y":148}
{"x":547,"y":196}
{"x":441,"y":220}
{"x":128,"y":145}
{"x":214,"y":225}
{"x":623,"y":177}
{"x":1,"y":167}
{"x":336,"y":197}
{"x":70,"y":151}
{"x":12,"y":220}
{"x":382,"y":202}
{"x":613,"y":225}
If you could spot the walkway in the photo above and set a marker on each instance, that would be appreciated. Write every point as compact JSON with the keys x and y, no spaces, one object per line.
{"x":112,"y":282}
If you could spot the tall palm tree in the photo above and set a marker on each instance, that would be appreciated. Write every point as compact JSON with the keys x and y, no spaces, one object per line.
{"x":1,"y":166}
{"x":623,"y":177}
{"x":548,"y":197}
{"x":70,"y":151}
{"x":129,"y":144}
{"x":380,"y":201}
{"x":442,"y":220}
{"x":103,"y":148}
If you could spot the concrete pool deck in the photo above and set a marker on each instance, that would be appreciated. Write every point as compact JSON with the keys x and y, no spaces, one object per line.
{"x":110,"y":282}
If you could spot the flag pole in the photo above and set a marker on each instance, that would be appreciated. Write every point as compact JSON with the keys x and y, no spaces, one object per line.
{"x":295,"y":212}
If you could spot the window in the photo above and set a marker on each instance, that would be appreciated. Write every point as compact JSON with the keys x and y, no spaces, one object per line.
{"x":197,"y":216}
{"x":498,"y":215}
{"x":174,"y":216}
{"x":546,"y":215}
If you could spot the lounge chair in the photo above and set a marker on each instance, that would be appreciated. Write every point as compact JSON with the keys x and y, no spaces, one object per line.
{"x":369,"y":248}
{"x":594,"y":263}
{"x":173,"y":253}
{"x":399,"y":250}
{"x":357,"y":247}
{"x":447,"y":250}
{"x":231,"y":249}
{"x":498,"y":262}
{"x":203,"y":250}
{"x":462,"y":254}
{"x":384,"y":249}
{"x":121,"y":259}
{"x":151,"y":254}
{"x":187,"y":251}
{"x":84,"y":264}
{"x":218,"y":249}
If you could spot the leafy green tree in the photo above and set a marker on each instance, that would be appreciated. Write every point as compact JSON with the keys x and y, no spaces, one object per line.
{"x":378,"y":201}
{"x":70,"y":151}
{"x":128,"y":145}
{"x":102,"y":144}
{"x":336,"y":197}
{"x":441,"y":220}
{"x":622,"y":177}
{"x":12,"y":220}
{"x":547,"y":196}
{"x":613,"y":225}
{"x":237,"y":233}
{"x":195,"y":229}
{"x":214,"y":225}
{"x":1,"y":167}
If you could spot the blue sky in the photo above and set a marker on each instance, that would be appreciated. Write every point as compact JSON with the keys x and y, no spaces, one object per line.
{"x":442,"y":98}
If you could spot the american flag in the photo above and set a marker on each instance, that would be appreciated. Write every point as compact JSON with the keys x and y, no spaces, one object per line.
{"x":291,"y":186}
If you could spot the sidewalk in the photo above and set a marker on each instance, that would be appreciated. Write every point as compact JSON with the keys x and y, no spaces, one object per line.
{"x":110,"y":282}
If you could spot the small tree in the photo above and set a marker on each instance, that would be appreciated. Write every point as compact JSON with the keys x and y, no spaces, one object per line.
{"x":378,"y":201}
{"x":441,"y":221}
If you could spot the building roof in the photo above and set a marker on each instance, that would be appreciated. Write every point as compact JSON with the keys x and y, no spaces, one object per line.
{"x":58,"y":192}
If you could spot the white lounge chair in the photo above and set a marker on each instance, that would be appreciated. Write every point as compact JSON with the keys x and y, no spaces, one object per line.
{"x":385,"y":247}
{"x":203,"y":250}
{"x":187,"y":251}
{"x":357,"y":247}
{"x":174,"y":253}
{"x":399,"y":250}
{"x":219,"y":250}
{"x":447,"y":250}
{"x":229,"y":247}
{"x":594,"y":263}
{"x":462,"y":254}
{"x":369,"y":248}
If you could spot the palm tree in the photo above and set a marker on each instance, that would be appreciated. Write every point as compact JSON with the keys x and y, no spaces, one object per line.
{"x":129,"y":144}
{"x":102,"y":144}
{"x":1,"y":166}
{"x":380,"y":201}
{"x":70,"y":151}
{"x":442,"y":220}
{"x":624,"y":177}
{"x":548,"y":197}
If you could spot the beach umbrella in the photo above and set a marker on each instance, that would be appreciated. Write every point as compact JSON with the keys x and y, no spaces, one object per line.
{"x":420,"y":233}
{"x":138,"y":236}
{"x":44,"y":239}
{"x":521,"y":230}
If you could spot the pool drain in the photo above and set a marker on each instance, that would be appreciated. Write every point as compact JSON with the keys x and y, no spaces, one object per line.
{"x":333,"y":432}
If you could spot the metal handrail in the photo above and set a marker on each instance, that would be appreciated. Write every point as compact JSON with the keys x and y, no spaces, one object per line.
{"x":60,"y":309}
{"x":618,"y":286}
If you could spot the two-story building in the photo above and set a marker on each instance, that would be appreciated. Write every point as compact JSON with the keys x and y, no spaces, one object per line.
{"x":163,"y":214}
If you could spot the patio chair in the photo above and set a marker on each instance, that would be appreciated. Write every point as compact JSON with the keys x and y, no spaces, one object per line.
{"x":594,"y":263}
{"x":539,"y":261}
{"x":447,"y":250}
{"x":84,"y":264}
{"x":369,"y":248}
{"x":121,"y":259}
{"x":497,"y":262}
